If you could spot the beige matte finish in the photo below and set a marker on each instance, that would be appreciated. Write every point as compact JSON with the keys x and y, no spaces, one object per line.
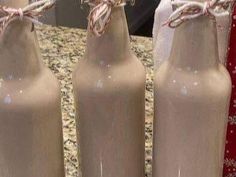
{"x":192,"y":91}
{"x":109,"y":87}
{"x":223,"y":31}
{"x":30,"y":116}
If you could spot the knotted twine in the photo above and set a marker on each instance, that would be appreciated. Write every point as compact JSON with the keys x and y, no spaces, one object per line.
{"x":100,"y":13}
{"x":187,"y":10}
{"x":31,"y":13}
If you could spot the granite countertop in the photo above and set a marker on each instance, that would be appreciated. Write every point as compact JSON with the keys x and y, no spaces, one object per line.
{"x":61,"y":49}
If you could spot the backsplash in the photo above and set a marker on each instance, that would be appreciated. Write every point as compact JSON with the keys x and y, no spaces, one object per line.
{"x":70,"y":13}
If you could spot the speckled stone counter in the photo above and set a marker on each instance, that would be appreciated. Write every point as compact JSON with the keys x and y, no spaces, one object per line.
{"x":61,"y":49}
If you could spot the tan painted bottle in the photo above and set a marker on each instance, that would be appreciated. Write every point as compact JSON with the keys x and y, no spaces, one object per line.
{"x":109,"y":87}
{"x":192,"y":91}
{"x":30,"y":116}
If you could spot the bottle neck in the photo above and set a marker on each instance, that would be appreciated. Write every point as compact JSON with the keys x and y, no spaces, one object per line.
{"x":19,"y":50}
{"x":195,"y":44}
{"x":113,"y":45}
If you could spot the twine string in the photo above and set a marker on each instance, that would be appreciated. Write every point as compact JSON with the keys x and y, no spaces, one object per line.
{"x":187,"y":10}
{"x":100,"y":13}
{"x":31,"y":13}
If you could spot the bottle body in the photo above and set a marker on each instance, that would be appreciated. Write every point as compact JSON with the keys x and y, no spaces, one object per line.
{"x":110,"y":106}
{"x":31,"y":141}
{"x":192,"y":93}
{"x":31,"y":127}
{"x":110,"y":109}
{"x":190,"y":123}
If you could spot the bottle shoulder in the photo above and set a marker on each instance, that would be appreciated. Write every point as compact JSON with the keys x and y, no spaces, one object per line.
{"x":131,"y":62}
{"x":126,"y":72}
{"x":189,"y":82}
{"x":38,"y":90}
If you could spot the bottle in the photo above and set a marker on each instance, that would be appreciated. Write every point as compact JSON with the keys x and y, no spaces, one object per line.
{"x":30,"y":116}
{"x":109,"y":89}
{"x":192,"y":91}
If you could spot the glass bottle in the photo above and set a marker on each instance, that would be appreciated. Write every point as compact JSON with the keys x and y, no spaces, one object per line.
{"x":30,"y":116}
{"x":192,"y":91}
{"x":109,"y":88}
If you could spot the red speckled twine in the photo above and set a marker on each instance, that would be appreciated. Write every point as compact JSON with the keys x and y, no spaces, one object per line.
{"x":31,"y":12}
{"x":187,"y":10}
{"x":100,"y":14}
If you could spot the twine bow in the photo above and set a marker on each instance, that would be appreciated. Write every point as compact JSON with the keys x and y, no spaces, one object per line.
{"x":187,"y":10}
{"x":100,"y":14}
{"x":31,"y":12}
